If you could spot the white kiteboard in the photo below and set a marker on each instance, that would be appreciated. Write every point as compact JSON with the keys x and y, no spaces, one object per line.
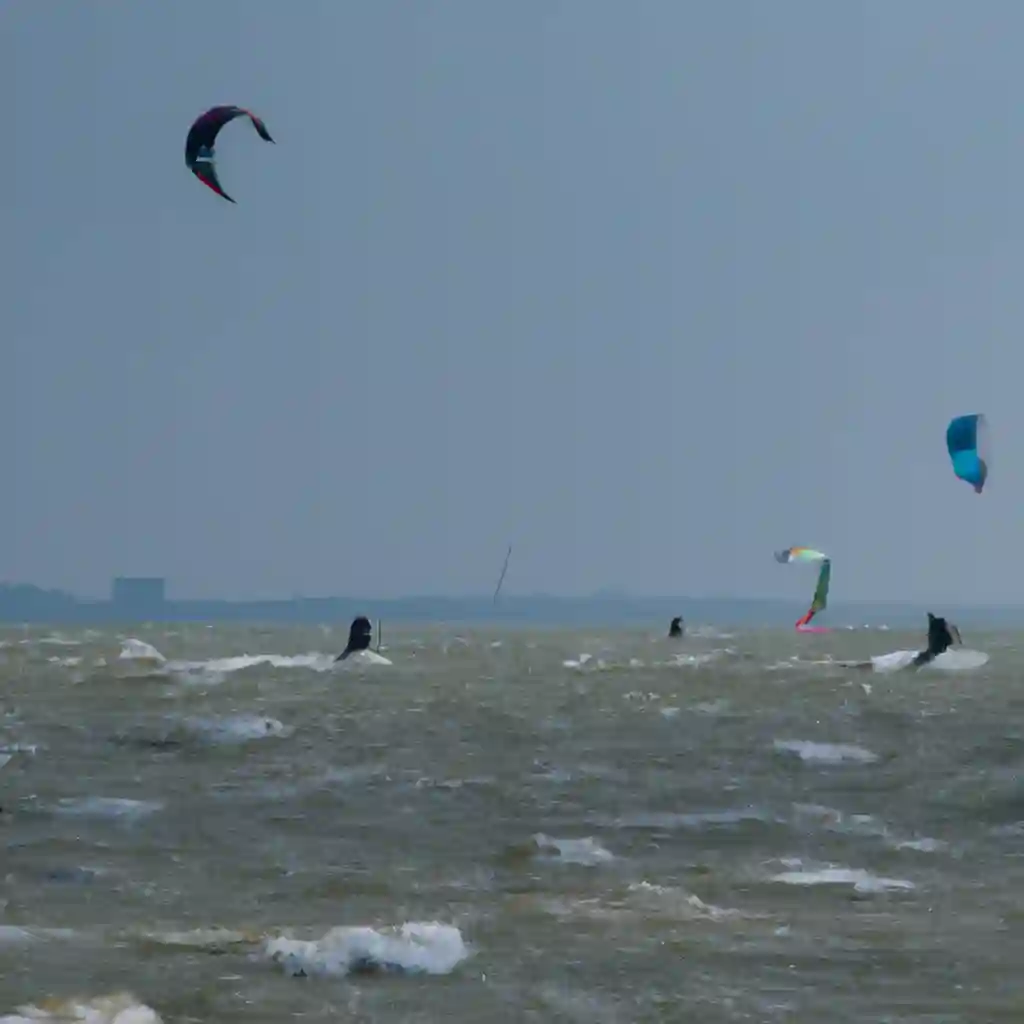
{"x":956,"y":659}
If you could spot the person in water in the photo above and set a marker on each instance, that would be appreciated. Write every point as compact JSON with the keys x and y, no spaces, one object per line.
{"x":941,"y":636}
{"x":675,"y":627}
{"x":360,"y":636}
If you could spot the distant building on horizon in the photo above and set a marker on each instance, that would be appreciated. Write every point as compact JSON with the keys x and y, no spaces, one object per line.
{"x":138,"y":596}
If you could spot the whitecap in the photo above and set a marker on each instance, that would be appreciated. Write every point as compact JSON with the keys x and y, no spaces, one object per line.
{"x":708,"y":633}
{"x":826,"y":753}
{"x":10,"y":750}
{"x":238,"y":728}
{"x":861,"y":880}
{"x":139,"y":650}
{"x":694,"y":660}
{"x":577,"y":663}
{"x":216,"y":670}
{"x":120,"y":1008}
{"x":666,"y":901}
{"x":12,"y":935}
{"x":108,"y":807}
{"x":922,"y":845}
{"x":667,"y":820}
{"x":414,"y":948}
{"x":587,"y":852}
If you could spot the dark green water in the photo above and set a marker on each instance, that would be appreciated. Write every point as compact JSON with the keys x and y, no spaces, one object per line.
{"x":720,"y":830}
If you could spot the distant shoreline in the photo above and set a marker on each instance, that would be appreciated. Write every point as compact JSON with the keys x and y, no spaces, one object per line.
{"x":24,"y":603}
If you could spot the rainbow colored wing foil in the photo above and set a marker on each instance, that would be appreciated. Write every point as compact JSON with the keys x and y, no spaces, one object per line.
{"x":819,"y":602}
{"x":967,"y":442}
{"x":800,"y":555}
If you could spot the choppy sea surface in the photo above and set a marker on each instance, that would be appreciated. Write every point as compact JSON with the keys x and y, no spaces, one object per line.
{"x":215,"y":824}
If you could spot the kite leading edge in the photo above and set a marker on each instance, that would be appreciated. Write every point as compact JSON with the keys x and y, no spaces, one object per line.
{"x":199,"y":152}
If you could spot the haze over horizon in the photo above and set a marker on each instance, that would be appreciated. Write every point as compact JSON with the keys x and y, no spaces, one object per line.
{"x":648,"y":291}
{"x":783,"y":607}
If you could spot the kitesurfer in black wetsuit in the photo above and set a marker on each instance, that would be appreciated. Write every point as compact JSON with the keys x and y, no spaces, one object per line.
{"x":360,"y":636}
{"x":675,"y":628}
{"x":940,"y":638}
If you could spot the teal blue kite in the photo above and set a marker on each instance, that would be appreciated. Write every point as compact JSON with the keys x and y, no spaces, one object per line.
{"x":968,"y":445}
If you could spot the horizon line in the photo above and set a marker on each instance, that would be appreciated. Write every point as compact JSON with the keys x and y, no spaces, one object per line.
{"x":599,"y":596}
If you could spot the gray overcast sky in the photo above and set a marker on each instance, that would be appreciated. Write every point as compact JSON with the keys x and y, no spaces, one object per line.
{"x":648,"y":288}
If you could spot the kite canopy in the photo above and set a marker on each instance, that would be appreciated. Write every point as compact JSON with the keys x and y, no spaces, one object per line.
{"x":800,"y":555}
{"x":820,"y":600}
{"x":968,"y":444}
{"x":201,"y":137}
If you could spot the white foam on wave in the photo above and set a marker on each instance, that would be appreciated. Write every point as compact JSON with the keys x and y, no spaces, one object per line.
{"x":120,"y":1008}
{"x":586,"y":852}
{"x":139,"y":651}
{"x":696,"y":660}
{"x":116,"y":808}
{"x":788,"y":663}
{"x":238,"y":728}
{"x":826,"y":753}
{"x":922,"y":845}
{"x":216,"y":670}
{"x":138,"y":657}
{"x":363,"y":658}
{"x":699,"y":820}
{"x":708,"y":633}
{"x":678,"y":660}
{"x":65,"y":662}
{"x":834,"y":820}
{"x":58,"y":641}
{"x":642,"y":902}
{"x":675,"y":903}
{"x":862,"y":881}
{"x":9,"y":751}
{"x":416,"y":947}
{"x":581,"y":662}
{"x":12,"y":935}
